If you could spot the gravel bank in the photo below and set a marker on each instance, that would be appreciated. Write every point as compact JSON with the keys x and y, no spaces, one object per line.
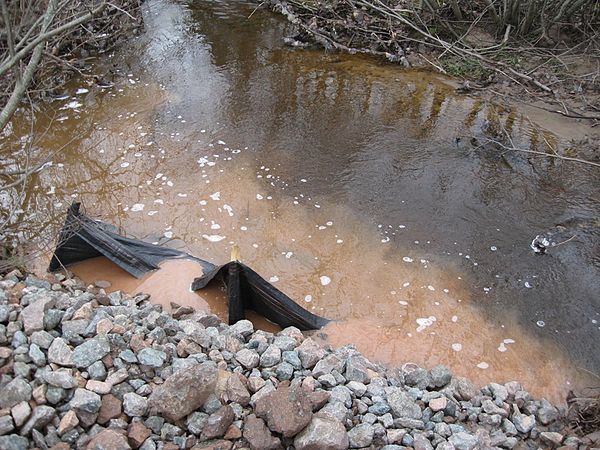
{"x":86,"y":370}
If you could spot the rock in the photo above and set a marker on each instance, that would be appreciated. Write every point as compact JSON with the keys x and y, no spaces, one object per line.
{"x":322,"y":433}
{"x":90,"y":351}
{"x":134,"y":405}
{"x":233,"y":432}
{"x":285,"y":343}
{"x":403,"y":406}
{"x":440,"y":376}
{"x":310,"y":353}
{"x":465,"y":390}
{"x":6,"y":425}
{"x":287,"y":410}
{"x":60,"y":378}
{"x":33,"y":314}
{"x":60,"y":353}
{"x":243,"y":327}
{"x":547,"y":413}
{"x":42,"y":339}
{"x":357,"y":369}
{"x":361,"y":435}
{"x":152,"y":358}
{"x":111,"y":408}
{"x":17,"y":391}
{"x":270,"y":357}
{"x":247,"y":358}
{"x":438,"y":404}
{"x":20,"y":413}
{"x":68,"y":422}
{"x":218,"y":422}
{"x":318,"y":399}
{"x":137,"y":434}
{"x":14,"y":442}
{"x":327,"y":365}
{"x":499,"y":392}
{"x":258,"y":435}
{"x":195,"y":422}
{"x":418,"y":378}
{"x":37,"y":356}
{"x":395,"y":436}
{"x":357,"y":388}
{"x":551,"y":438}
{"x":255,"y":384}
{"x":421,"y":442}
{"x":236,"y":390}
{"x":108,"y":440}
{"x":463,"y":441}
{"x":523,"y":423}
{"x":184,"y":391}
{"x":86,"y":401}
{"x":99,"y":387}
{"x":284,"y":371}
{"x":335,"y":410}
{"x":40,"y":417}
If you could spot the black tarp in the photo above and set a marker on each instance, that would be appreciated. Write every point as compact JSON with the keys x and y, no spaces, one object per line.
{"x":83,"y":237}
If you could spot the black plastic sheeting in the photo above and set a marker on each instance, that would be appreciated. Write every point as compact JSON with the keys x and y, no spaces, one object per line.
{"x":83,"y":237}
{"x":248,"y":290}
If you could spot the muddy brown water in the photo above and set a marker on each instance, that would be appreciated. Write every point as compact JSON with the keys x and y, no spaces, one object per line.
{"x":353,"y":185}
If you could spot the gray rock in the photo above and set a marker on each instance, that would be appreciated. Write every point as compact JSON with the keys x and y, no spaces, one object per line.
{"x":195,"y":422}
{"x":499,"y":392}
{"x":551,"y":438}
{"x":357,"y":369}
{"x":327,"y":365}
{"x":336,"y":411}
{"x":91,"y":351}
{"x":37,"y":356}
{"x":52,"y":319}
{"x":17,"y":391}
{"x":42,"y":339}
{"x":243,"y":327}
{"x":60,"y":353}
{"x":20,"y":413}
{"x":284,"y":371}
{"x":379,"y":408}
{"x":421,"y":443}
{"x":341,"y":394}
{"x":509,"y":428}
{"x":292,"y":358}
{"x":284,"y":343}
{"x":440,"y":376}
{"x":361,"y":435}
{"x":357,"y":388}
{"x":327,"y":380}
{"x":217,"y":423}
{"x":322,"y":433}
{"x":6,"y":425}
{"x":60,"y":378}
{"x":169,"y":431}
{"x":403,"y":406}
{"x":151,"y":357}
{"x":40,"y":417}
{"x":247,"y":358}
{"x":55,"y":395}
{"x":128,"y":356}
{"x":134,"y":405}
{"x":97,"y":371}
{"x":463,"y":441}
{"x":86,"y":401}
{"x":523,"y":423}
{"x":418,"y":378}
{"x":14,"y":442}
{"x":271,"y":356}
{"x":547,"y":413}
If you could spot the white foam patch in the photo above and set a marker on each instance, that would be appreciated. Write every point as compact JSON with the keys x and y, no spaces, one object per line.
{"x":425,"y":322}
{"x":454,"y":319}
{"x":124,"y":164}
{"x":406,"y":284}
{"x":288,"y":255}
{"x":502,"y":347}
{"x":170,"y":183}
{"x":213,"y":237}
{"x":274,"y":279}
{"x":215,"y":226}
{"x":457,"y":347}
{"x":431,"y":288}
{"x":407,"y":259}
{"x":182,"y":195}
{"x":74,"y":104}
{"x":138,"y":207}
{"x":151,"y":213}
{"x":339,"y":241}
{"x":168,"y":234}
{"x":203,"y":202}
{"x":308,"y":298}
{"x":244,"y":228}
{"x":325,"y":280}
{"x":259,"y":197}
{"x":81,"y":91}
{"x":403,"y":302}
{"x":159,"y":201}
{"x":216,"y":196}
{"x":483,"y":365}
{"x":229,"y":210}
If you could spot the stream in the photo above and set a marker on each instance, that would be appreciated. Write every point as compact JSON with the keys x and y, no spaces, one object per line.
{"x":357,"y":187}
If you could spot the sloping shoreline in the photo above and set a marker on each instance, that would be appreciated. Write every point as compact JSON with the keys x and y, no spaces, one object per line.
{"x":82,"y":369}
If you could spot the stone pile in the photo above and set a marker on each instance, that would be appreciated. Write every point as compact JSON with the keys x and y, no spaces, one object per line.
{"x":83,"y":369}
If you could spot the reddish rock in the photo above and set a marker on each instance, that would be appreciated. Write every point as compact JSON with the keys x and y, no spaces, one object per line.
{"x":318,"y":399}
{"x":218,"y":422}
{"x":233,"y":432}
{"x":68,"y":422}
{"x":323,"y":433}
{"x":111,"y":408}
{"x":137,"y":343}
{"x":108,"y":440}
{"x":287,"y":410}
{"x":184,"y":391}
{"x":137,"y":434}
{"x":61,"y":446}
{"x":214,"y":445}
{"x":33,"y":314}
{"x":236,"y":389}
{"x":438,"y":404}
{"x":258,"y":435}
